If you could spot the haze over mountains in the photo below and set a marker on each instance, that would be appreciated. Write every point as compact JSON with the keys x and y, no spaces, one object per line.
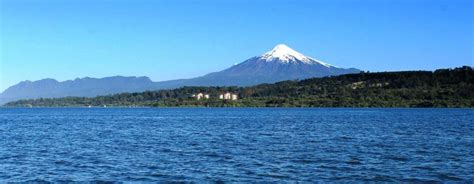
{"x":281,"y":63}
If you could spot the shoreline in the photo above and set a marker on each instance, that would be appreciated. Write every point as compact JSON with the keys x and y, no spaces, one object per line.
{"x":204,"y":107}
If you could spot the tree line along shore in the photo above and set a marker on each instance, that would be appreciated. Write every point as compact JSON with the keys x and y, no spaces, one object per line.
{"x":440,"y":88}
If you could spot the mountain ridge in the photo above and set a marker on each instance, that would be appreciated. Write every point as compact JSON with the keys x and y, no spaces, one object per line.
{"x":280,"y":63}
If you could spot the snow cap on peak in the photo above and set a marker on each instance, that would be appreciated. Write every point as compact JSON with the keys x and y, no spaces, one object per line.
{"x":285,"y":54}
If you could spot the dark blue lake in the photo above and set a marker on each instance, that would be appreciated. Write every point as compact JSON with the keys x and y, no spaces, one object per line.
{"x":236,"y":144}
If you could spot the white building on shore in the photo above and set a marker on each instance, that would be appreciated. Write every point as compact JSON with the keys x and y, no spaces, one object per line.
{"x":222,"y":96}
{"x":228,"y":96}
{"x":200,"y":96}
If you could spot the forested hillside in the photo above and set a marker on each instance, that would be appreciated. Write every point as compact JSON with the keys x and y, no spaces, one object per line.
{"x":441,"y":88}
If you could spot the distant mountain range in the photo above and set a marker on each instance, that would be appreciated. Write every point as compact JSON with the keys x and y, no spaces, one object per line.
{"x":281,"y":63}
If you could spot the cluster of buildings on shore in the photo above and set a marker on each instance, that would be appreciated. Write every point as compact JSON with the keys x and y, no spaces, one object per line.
{"x":222,"y":96}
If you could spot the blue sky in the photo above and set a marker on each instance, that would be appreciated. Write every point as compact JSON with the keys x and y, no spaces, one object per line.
{"x":170,"y":39}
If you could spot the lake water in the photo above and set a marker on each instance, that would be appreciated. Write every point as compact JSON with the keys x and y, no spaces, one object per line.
{"x":236,"y":144}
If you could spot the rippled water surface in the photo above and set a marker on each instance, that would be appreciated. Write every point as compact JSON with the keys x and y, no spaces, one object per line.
{"x":248,"y":144}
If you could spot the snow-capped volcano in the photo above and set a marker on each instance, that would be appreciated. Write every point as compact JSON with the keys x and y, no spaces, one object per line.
{"x":280,"y":63}
{"x":283,"y":53}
